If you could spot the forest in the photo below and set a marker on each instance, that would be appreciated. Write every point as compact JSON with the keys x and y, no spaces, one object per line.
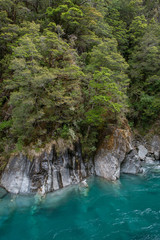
{"x":73,"y":68}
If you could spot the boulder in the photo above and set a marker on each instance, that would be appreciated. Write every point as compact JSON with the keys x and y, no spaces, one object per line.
{"x":142,"y":152}
{"x":131,"y":164}
{"x":111,"y":154}
{"x":157,"y":155}
{"x":149,"y":161}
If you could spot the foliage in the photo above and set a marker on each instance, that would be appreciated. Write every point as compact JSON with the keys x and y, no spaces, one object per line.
{"x":67,"y":67}
{"x":144,"y":70}
{"x":5,"y":124}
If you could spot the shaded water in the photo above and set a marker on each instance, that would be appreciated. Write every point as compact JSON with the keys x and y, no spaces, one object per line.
{"x":128,"y":209}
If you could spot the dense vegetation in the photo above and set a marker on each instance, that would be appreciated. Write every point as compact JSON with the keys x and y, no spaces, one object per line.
{"x":70,"y":68}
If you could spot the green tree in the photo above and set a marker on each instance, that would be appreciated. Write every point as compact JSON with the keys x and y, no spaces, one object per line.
{"x":119,"y":28}
{"x":107,"y":89}
{"x":137,"y":30}
{"x":144,"y":71}
{"x":43,"y":95}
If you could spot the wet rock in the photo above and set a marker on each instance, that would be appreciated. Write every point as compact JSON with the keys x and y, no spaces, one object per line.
{"x":131,"y":164}
{"x":142,"y":152}
{"x":149,"y":161}
{"x":156,"y":169}
{"x":84,"y":183}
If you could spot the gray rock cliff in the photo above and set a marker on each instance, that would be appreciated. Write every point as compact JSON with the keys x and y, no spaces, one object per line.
{"x":132,"y":163}
{"x":112,"y":153}
{"x":47,"y":171}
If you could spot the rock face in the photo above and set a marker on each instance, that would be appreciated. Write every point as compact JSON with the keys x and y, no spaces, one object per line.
{"x":142,"y":152}
{"x":49,"y":171}
{"x":149,"y":160}
{"x":112,"y":153}
{"x":46,"y":172}
{"x":121,"y":154}
{"x":155,"y":147}
{"x":131,"y":164}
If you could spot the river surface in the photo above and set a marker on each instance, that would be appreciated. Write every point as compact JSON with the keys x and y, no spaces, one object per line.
{"x":127,"y":210}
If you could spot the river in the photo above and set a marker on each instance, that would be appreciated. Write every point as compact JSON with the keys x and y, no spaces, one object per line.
{"x":126,"y":210}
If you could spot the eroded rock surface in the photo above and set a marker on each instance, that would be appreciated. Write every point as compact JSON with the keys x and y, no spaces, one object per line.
{"x":142,"y":152}
{"x":155,"y":146}
{"x":131,"y":164}
{"x":112,"y":153}
{"x":47,"y":172}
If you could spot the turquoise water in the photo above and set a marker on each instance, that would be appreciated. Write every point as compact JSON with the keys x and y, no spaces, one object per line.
{"x":128,"y":209}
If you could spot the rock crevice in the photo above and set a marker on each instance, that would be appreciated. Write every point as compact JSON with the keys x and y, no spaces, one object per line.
{"x":49,"y":171}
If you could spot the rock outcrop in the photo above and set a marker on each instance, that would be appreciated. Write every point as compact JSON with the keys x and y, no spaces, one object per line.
{"x":111,"y":153}
{"x":146,"y":152}
{"x":132,"y":163}
{"x":155,"y":146}
{"x":46,"y":172}
{"x":123,"y":153}
{"x":142,"y":152}
{"x":49,"y":171}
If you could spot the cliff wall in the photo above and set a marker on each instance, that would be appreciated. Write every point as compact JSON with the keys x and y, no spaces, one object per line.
{"x":48,"y":170}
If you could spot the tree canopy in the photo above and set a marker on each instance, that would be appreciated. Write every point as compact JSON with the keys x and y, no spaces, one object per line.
{"x":71,"y":68}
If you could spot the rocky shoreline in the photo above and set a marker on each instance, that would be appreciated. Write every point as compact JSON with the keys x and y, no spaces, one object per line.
{"x":49,"y":171}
